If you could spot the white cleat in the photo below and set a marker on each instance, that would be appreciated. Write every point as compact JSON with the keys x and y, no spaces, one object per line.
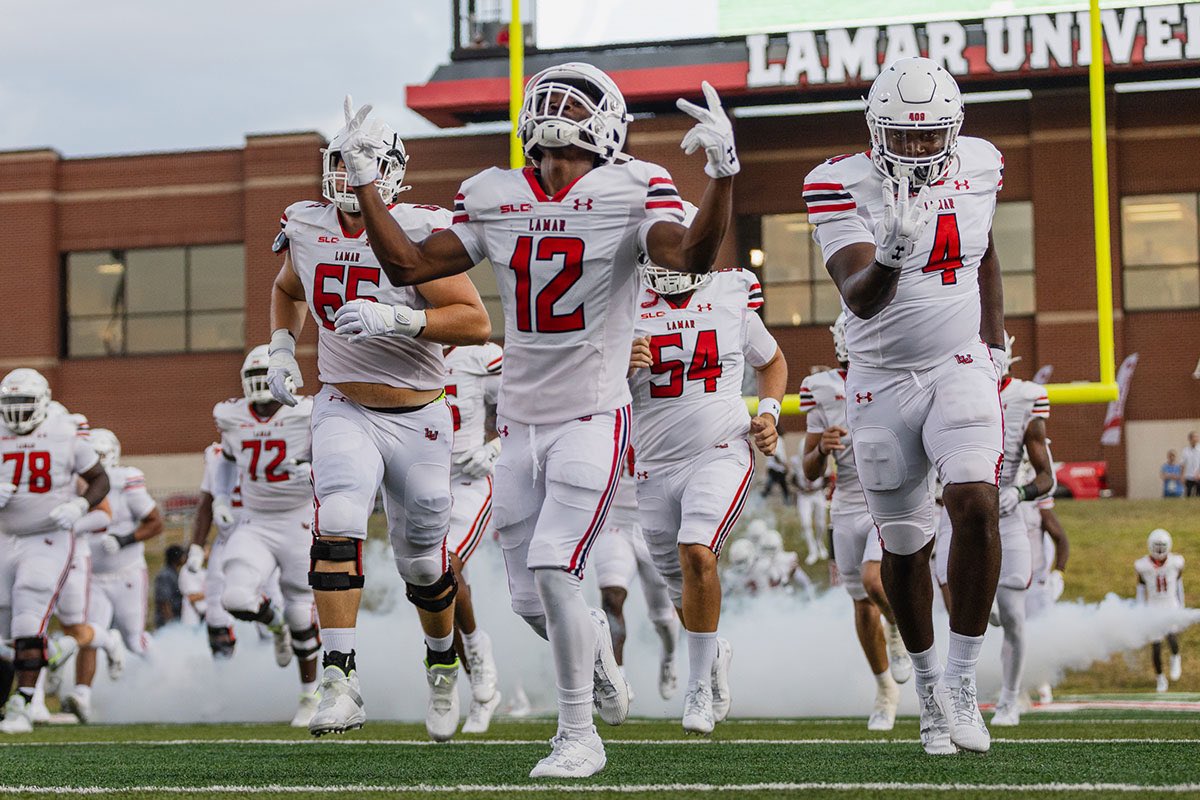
{"x":823,"y":550}
{"x":698,"y":710}
{"x":572,"y":758}
{"x":479,"y":717}
{"x":341,"y":705}
{"x":519,"y":705}
{"x":483,"y":668}
{"x":960,"y":704}
{"x":721,"y":698}
{"x":116,"y":656}
{"x":610,"y":692}
{"x":1045,"y":694}
{"x":1176,"y":667}
{"x":16,"y":716}
{"x":441,"y":717}
{"x":38,"y":713}
{"x":899,"y":663}
{"x":935,"y":728}
{"x":883,"y":717}
{"x":307,"y":708}
{"x":283,"y":645}
{"x":812,"y":557}
{"x":1007,"y":715}
{"x":1162,"y":684}
{"x":668,"y":681}
{"x":75,"y":703}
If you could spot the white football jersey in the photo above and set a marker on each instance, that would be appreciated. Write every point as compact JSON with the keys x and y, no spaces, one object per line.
{"x":936,"y":308}
{"x":823,"y":399}
{"x":566,"y":271}
{"x":472,"y":383}
{"x":690,"y":398}
{"x":212,"y":462}
{"x":130,"y":503}
{"x":1161,"y":579}
{"x":335,"y":267}
{"x":1022,"y":402}
{"x":261,"y":446}
{"x":43,"y":464}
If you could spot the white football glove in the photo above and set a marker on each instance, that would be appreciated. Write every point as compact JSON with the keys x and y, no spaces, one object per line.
{"x":1057,"y":584}
{"x":999,"y":361}
{"x":478,"y":462}
{"x":110,"y":544}
{"x":195,"y":559}
{"x":283,"y":373}
{"x":713,"y":132}
{"x":362,"y":319}
{"x":65,"y":515}
{"x":222,"y":511}
{"x":1009,"y":498}
{"x":301,"y":470}
{"x":904,"y":220}
{"x":360,"y":145}
{"x":7,"y":490}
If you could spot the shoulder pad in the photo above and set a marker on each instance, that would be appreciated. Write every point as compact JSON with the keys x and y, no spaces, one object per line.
{"x":419,"y":221}
{"x":226,"y":411}
{"x":477,"y":193}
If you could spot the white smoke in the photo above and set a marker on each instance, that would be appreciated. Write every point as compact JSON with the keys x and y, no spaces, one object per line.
{"x":791,"y":657}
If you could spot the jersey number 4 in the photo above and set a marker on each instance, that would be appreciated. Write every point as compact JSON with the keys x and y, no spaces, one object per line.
{"x":947,"y":250}
{"x":257,"y":447}
{"x":39,"y":469}
{"x":705,"y":366}
{"x":328,"y":299}
{"x":539,"y":314}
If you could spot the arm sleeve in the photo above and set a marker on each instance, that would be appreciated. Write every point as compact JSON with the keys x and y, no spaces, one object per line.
{"x":224,"y":478}
{"x":758,"y":345}
{"x":139,"y":500}
{"x":84,"y":456}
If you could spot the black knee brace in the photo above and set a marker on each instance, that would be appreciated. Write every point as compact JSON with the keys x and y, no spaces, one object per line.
{"x":30,"y":653}
{"x":306,"y":643}
{"x":426,"y":597}
{"x":263,"y":614}
{"x":350,"y":550}
{"x":221,"y":641}
{"x":7,"y":673}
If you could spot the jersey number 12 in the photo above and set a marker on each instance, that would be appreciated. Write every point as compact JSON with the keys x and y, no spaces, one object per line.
{"x":538,"y":314}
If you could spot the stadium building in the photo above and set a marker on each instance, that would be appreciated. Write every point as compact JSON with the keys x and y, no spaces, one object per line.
{"x":139,"y":281}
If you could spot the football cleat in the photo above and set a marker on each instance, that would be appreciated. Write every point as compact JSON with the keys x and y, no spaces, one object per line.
{"x":572,"y":758}
{"x":668,"y":682}
{"x":441,"y":717}
{"x":899,"y":663}
{"x":883,"y":716}
{"x":1045,"y":694}
{"x":283,"y":645}
{"x":610,"y":691}
{"x":479,"y":717}
{"x":823,"y":551}
{"x":78,"y":704}
{"x":519,"y":705}
{"x":341,"y":705}
{"x":116,"y":656}
{"x":698,"y":710}
{"x":721,"y":698}
{"x":935,"y":727}
{"x":1162,"y":685}
{"x":38,"y":713}
{"x":1007,"y":715}
{"x":16,"y":716}
{"x":483,"y":668}
{"x":812,"y":558}
{"x":307,"y":708}
{"x":960,"y":704}
{"x":1176,"y":667}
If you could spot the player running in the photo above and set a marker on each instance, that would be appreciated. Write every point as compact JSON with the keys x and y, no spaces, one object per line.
{"x":562,"y":236}
{"x":41,"y":458}
{"x":219,"y":504}
{"x":811,"y":508}
{"x":905,"y":229}
{"x":856,"y":547}
{"x":380,"y":416}
{"x":1160,"y":584}
{"x":472,"y":384}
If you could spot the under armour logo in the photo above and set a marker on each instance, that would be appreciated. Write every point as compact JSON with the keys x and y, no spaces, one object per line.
{"x":503,"y":431}
{"x":431,"y":434}
{"x":641,"y":476}
{"x":723,"y":446}
{"x":967,"y":359}
{"x":961,"y":185}
{"x":704,"y":307}
{"x":583,"y":204}
{"x":588,"y":418}
{"x":862,"y":398}
{"x":731,"y":154}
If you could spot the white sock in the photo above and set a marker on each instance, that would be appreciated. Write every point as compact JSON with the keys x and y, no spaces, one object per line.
{"x":1012,"y":651}
{"x":1007,"y":697}
{"x":440,"y":644}
{"x":702,"y":652}
{"x":926,"y":666}
{"x":340,"y":640}
{"x":308,"y":688}
{"x":575,"y":711}
{"x":572,"y":636}
{"x":472,"y":639}
{"x":100,"y":637}
{"x":884,"y":680}
{"x":82,"y":691}
{"x":963,"y":655}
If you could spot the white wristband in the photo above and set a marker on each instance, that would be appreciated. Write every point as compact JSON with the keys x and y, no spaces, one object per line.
{"x":408,"y":321}
{"x":282,"y":339}
{"x":769,"y":405}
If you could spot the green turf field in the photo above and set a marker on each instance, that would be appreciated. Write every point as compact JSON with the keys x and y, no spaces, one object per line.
{"x":1093,"y":754}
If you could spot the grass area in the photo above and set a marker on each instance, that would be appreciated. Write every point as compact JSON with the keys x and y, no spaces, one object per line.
{"x":751,"y":758}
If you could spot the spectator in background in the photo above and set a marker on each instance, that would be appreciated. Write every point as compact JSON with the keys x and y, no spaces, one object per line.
{"x":1191,"y":465}
{"x":1172,"y":476}
{"x":168,"y":600}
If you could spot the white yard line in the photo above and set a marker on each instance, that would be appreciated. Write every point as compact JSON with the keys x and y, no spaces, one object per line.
{"x":699,"y":742}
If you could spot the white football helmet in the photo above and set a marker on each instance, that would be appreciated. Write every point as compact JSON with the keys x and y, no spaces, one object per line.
{"x":840,"y":351}
{"x":543,"y":121}
{"x":914,"y":112}
{"x":668,"y":282}
{"x":1159,"y":544}
{"x":254,"y":376}
{"x":772,"y":544}
{"x":107,"y":446}
{"x":755,"y":531}
{"x":393,"y":162}
{"x":24,"y":400}
{"x":741,"y":553}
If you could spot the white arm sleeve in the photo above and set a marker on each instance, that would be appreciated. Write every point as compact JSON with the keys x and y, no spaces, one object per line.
{"x":835,"y":234}
{"x":225,"y":478}
{"x":759,"y":346}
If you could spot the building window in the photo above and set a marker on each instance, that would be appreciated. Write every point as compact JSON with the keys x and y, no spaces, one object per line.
{"x":1012,"y":233}
{"x":155,"y":300}
{"x":1160,"y":244}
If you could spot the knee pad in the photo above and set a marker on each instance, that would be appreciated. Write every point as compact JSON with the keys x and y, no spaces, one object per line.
{"x":666,"y":561}
{"x":426,"y":511}
{"x":424,"y":569}
{"x":259,"y":611}
{"x":306,"y":642}
{"x":221,"y":642}
{"x":29,"y":653}
{"x":342,"y":514}
{"x":426,"y":597}
{"x":971,"y":466}
{"x":879,"y":458}
{"x":240,"y":600}
{"x":340,"y":552}
{"x":299,"y":615}
{"x":904,"y":538}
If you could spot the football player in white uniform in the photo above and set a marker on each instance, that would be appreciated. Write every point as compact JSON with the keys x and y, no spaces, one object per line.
{"x":562,"y":236}
{"x":117,"y":597}
{"x":1160,"y":583}
{"x":812,"y":509}
{"x":219,"y":505}
{"x":472,"y":384}
{"x":692,"y":436}
{"x":619,"y":555}
{"x":856,"y":548}
{"x":41,"y":456}
{"x":266,"y":450}
{"x":905,"y":229}
{"x":380,"y":416}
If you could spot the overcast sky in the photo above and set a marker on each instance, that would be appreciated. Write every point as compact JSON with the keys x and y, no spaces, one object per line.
{"x":97,"y":77}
